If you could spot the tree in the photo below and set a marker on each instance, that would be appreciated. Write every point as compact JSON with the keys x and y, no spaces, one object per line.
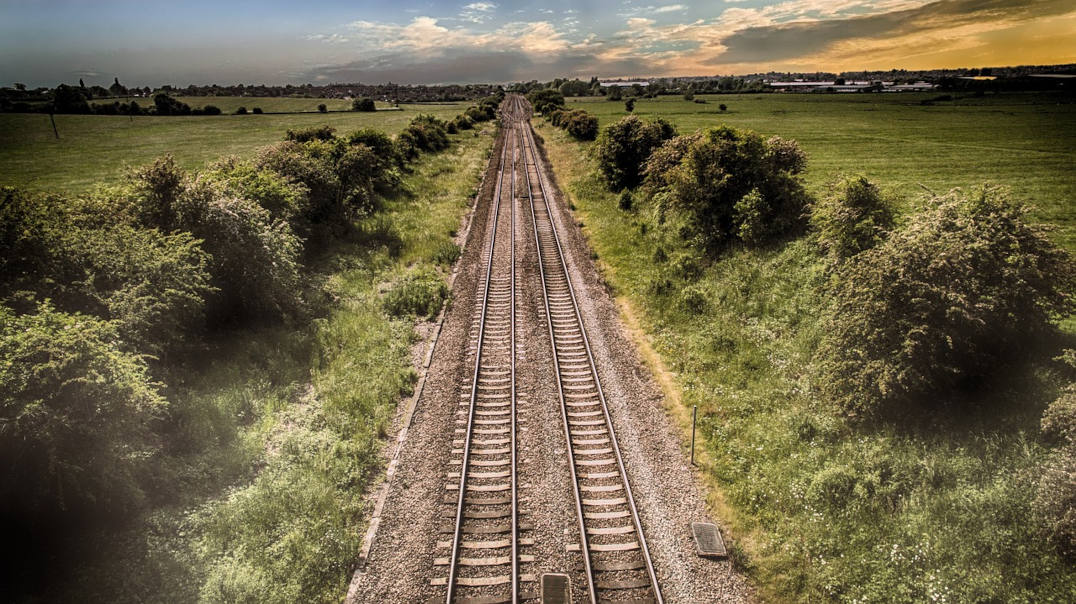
{"x":731,"y":185}
{"x":322,"y":108}
{"x":116,"y":88}
{"x":363,"y":104}
{"x":69,"y":99}
{"x":257,"y":110}
{"x":629,"y":105}
{"x":624,"y":146}
{"x":546,"y":100}
{"x":723,"y":107}
{"x":614,"y":93}
{"x":241,"y":111}
{"x":76,"y":411}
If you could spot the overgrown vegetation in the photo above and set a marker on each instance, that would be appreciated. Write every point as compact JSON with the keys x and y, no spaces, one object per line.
{"x":576,"y":122}
{"x":127,"y":418}
{"x":964,"y":286}
{"x":730,"y":185}
{"x":623,"y":148}
{"x":941,"y":492}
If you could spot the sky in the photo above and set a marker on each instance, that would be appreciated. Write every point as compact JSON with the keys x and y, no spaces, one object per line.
{"x":145,"y":42}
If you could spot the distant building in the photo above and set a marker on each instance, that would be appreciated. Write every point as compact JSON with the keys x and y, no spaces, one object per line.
{"x":848,"y":86}
{"x":624,"y":84}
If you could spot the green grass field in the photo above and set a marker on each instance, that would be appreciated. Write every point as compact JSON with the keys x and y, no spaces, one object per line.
{"x":818,"y":508}
{"x":1024,"y":141}
{"x":94,"y":150}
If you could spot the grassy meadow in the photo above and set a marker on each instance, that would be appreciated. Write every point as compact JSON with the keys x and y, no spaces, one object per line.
{"x":817,"y":508}
{"x":94,"y":149}
{"x":1024,"y":141}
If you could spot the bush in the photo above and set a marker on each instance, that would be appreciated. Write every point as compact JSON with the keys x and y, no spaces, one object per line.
{"x":76,"y":412}
{"x":965,"y":285}
{"x":167,"y":105}
{"x":257,"y":110}
{"x":463,"y":122}
{"x":214,"y":110}
{"x":285,"y":199}
{"x":421,"y":292}
{"x":363,"y":105}
{"x":313,"y":133}
{"x":254,"y":261}
{"x":582,"y":126}
{"x":424,"y":133}
{"x":731,"y":185}
{"x":241,"y":111}
{"x":322,"y":108}
{"x":853,"y":217}
{"x":723,"y":107}
{"x":623,"y":147}
{"x":625,"y":202}
{"x":629,"y":105}
{"x":152,"y":285}
{"x":1055,"y":501}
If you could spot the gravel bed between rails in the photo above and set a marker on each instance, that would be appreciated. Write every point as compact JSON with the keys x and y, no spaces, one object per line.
{"x":401,"y":561}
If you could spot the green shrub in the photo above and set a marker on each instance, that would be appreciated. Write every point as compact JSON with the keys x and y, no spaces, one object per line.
{"x":625,"y":201}
{"x":421,"y":292}
{"x":693,"y":299}
{"x":731,"y":185}
{"x":624,"y":146}
{"x":546,"y":100}
{"x":152,"y":285}
{"x":76,"y":411}
{"x":284,"y":198}
{"x":852,"y":217}
{"x":254,"y":259}
{"x":582,"y":126}
{"x":966,"y":284}
{"x":1055,"y":501}
{"x":313,"y":133}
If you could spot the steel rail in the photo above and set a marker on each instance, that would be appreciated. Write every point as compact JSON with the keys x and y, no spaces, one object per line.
{"x":474,"y":386}
{"x":526,"y":133}
{"x":512,"y":355}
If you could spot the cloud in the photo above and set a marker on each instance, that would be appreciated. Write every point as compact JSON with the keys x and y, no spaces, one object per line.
{"x":951,"y":19}
{"x":794,"y":35}
{"x":477,"y":12}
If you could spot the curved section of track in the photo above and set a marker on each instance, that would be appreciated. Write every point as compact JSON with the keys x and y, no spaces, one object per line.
{"x":616,"y":560}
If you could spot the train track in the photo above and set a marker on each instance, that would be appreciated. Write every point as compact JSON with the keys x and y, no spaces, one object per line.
{"x":484,"y":552}
{"x":484,"y":555}
{"x":616,"y":560}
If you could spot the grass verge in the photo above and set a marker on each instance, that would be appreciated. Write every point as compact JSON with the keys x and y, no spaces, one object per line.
{"x":820,"y":509}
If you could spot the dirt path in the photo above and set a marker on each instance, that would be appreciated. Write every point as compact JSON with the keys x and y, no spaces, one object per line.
{"x":401,"y":562}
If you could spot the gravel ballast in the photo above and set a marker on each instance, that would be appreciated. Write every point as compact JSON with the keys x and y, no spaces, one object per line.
{"x":401,"y":561}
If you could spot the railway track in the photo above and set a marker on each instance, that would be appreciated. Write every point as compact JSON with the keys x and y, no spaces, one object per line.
{"x":486,"y":552}
{"x":616,"y":561}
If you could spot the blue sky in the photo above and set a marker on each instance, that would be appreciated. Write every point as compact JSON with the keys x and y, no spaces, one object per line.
{"x":149,"y":43}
